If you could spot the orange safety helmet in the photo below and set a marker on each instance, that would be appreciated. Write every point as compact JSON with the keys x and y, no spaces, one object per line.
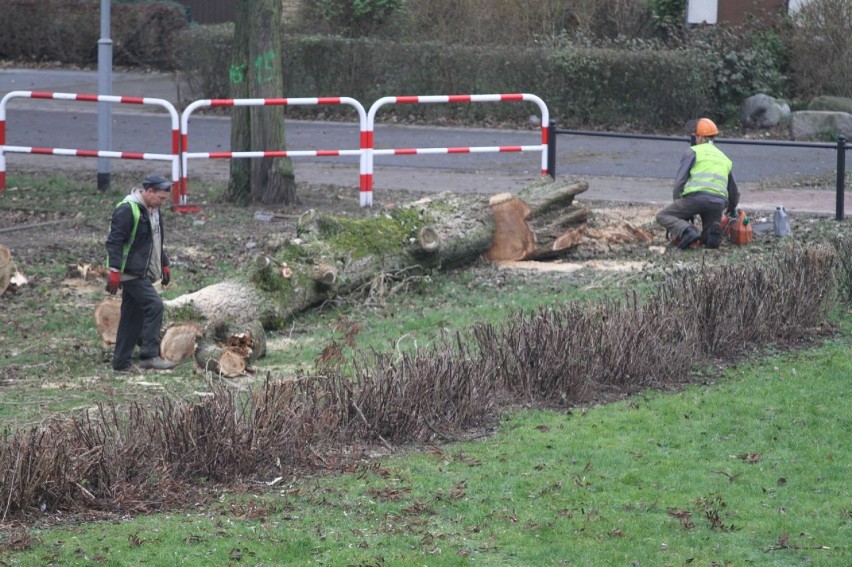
{"x":706,"y":127}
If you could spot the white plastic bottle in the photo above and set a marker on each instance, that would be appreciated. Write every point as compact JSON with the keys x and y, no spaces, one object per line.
{"x":780,"y":222}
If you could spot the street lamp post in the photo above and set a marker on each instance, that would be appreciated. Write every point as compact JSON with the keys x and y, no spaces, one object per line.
{"x":104,"y":88}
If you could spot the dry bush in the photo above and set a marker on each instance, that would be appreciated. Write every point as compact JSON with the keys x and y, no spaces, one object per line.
{"x":418,"y":396}
{"x":843,"y":247}
{"x":821,"y":48}
{"x":753,"y":305}
{"x":568,"y":355}
{"x":36,"y":470}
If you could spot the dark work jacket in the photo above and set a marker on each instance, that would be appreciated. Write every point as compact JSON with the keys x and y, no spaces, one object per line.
{"x":140,"y":251}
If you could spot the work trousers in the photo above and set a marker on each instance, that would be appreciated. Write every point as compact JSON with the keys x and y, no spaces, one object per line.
{"x":675,"y":218}
{"x":141,"y":316}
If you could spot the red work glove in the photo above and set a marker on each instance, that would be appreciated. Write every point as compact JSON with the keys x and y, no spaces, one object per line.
{"x":167,"y":276}
{"x":113,"y":282}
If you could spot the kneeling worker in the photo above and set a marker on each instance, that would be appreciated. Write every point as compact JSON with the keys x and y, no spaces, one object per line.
{"x":704,"y":186}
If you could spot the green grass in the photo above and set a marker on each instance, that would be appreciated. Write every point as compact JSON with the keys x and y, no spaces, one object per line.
{"x":753,"y":469}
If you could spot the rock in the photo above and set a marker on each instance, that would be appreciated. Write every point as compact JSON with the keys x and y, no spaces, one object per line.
{"x":820,"y":124}
{"x":833,"y":103}
{"x":764,"y":111}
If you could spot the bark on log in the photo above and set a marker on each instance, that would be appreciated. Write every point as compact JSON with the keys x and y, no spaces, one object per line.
{"x":440,"y":232}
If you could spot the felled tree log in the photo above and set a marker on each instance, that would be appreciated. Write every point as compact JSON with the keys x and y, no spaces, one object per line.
{"x":540,"y":222}
{"x":333,"y":256}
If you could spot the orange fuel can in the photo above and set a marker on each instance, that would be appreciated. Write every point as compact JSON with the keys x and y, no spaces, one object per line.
{"x":738,"y":229}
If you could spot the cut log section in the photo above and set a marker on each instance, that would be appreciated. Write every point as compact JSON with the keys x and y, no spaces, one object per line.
{"x":220,"y":361}
{"x":247,"y":339}
{"x":541,"y":222}
{"x":107,"y":315}
{"x":7,"y":267}
{"x":179,"y":341}
{"x":513,"y":238}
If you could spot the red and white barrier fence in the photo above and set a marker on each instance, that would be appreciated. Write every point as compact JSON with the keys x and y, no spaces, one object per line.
{"x":180,"y":155}
{"x":212,"y":103}
{"x":465,"y":98}
{"x":174,"y":157}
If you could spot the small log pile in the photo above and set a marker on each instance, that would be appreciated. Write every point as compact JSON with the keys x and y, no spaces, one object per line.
{"x":224,"y":349}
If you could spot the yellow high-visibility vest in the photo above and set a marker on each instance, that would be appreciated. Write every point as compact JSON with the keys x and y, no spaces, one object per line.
{"x":710,"y":171}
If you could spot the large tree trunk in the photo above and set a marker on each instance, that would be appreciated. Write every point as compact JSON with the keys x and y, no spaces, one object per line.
{"x":256,"y":73}
{"x":335,"y":256}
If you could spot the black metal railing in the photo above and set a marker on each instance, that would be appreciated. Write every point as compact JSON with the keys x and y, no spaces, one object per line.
{"x":840,"y":147}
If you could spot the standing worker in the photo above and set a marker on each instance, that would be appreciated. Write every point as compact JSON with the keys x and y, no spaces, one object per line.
{"x":704,"y":186}
{"x":137,"y":258}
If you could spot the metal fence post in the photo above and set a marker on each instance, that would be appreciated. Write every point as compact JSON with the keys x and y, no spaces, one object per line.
{"x":551,"y":149}
{"x":841,"y":176}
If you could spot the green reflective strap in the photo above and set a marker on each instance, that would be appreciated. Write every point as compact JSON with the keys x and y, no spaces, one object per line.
{"x":125,"y":252}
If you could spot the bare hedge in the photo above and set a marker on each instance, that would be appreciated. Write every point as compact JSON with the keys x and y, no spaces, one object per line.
{"x":580,"y":61}
{"x":581,"y":85}
{"x":68,"y":31}
{"x":821,"y":52}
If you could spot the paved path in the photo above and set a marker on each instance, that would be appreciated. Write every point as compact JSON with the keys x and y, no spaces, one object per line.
{"x":617,"y":169}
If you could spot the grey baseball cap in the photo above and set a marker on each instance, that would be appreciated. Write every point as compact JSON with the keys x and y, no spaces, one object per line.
{"x":157,"y":182}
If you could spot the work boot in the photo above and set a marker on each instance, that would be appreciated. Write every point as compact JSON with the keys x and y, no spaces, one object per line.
{"x":156,"y":363}
{"x":714,"y":236}
{"x":689,"y":236}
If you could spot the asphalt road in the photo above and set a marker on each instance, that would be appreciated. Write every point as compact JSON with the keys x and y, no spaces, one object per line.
{"x":623,"y":169}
